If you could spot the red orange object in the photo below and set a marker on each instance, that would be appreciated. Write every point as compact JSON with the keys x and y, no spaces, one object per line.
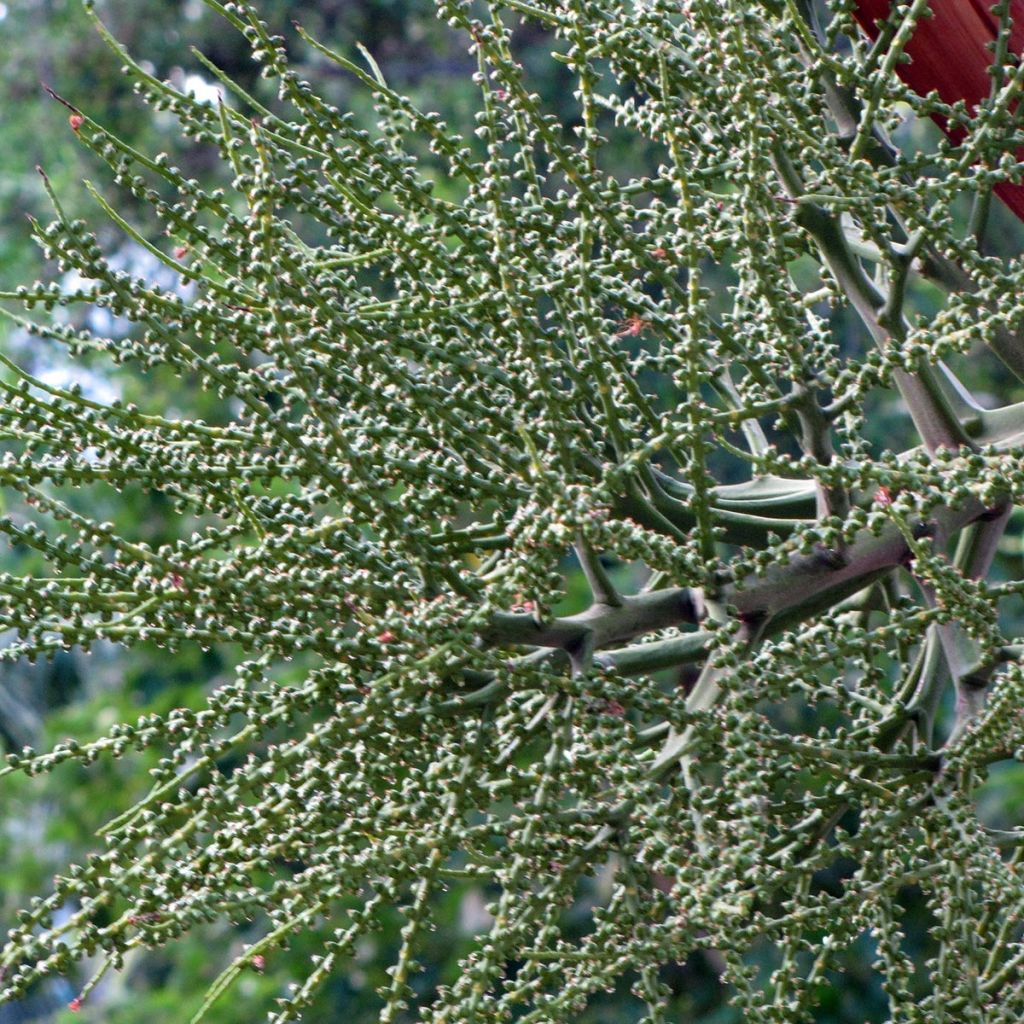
{"x":950,"y":52}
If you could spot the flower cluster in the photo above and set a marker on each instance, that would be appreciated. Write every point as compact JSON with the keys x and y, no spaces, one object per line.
{"x":459,"y":363}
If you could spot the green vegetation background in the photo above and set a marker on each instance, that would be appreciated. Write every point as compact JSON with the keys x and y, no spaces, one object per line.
{"x":47,"y":823}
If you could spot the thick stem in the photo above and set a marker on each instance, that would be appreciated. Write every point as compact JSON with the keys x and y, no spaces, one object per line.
{"x":785,"y":595}
{"x":976,"y":550}
{"x":928,"y":406}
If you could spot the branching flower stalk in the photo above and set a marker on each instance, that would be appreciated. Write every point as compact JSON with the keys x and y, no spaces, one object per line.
{"x":458,"y":361}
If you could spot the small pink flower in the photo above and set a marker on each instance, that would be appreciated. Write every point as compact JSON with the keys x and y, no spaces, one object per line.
{"x":632,"y":326}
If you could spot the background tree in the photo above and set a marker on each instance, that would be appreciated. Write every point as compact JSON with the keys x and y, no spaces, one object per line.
{"x":442,"y":361}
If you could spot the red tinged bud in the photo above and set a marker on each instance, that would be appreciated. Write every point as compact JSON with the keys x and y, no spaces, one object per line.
{"x":75,"y":1005}
{"x":950,"y":53}
{"x":76,"y":121}
{"x":632,"y":327}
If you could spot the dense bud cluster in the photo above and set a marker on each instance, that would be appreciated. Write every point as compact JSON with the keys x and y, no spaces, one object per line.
{"x":457,"y":363}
